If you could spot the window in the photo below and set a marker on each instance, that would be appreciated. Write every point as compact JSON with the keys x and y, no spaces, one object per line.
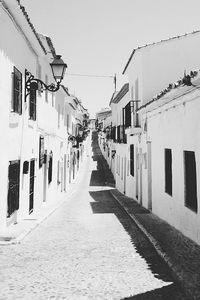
{"x":41,"y":151}
{"x":127,"y":115}
{"x":118,"y":134}
{"x":32,"y":104}
{"x":13,"y":187}
{"x":168,"y":171}
{"x":113,"y":133}
{"x":132,"y":160}
{"x":50,"y":167}
{"x":190,"y":180}
{"x":16,"y":105}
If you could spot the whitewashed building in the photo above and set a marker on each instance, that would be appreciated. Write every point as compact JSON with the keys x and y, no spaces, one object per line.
{"x":34,"y":127}
{"x":161,"y":126}
{"x":173,"y":129}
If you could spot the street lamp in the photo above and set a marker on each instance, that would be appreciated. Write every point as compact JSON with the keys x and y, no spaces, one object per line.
{"x":58,"y":68}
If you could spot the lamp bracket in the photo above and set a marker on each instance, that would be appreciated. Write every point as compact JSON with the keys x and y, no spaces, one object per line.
{"x":32,"y":83}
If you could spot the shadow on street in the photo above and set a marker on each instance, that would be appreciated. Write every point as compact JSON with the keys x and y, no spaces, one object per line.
{"x":104,"y":203}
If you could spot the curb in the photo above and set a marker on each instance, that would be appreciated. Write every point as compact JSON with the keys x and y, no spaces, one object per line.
{"x":175,"y":274}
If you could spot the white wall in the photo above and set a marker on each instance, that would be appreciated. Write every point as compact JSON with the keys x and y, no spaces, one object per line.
{"x":176,"y":126}
{"x":20,"y":135}
{"x":158,"y":65}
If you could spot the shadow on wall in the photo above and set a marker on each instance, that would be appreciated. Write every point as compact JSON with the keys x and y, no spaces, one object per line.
{"x":102,"y":176}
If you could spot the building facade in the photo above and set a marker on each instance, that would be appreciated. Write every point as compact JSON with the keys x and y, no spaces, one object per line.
{"x":35,"y":152}
{"x":157,"y":162}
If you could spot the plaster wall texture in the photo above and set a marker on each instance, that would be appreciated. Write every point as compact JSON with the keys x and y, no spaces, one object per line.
{"x":175,"y":126}
{"x":20,"y":135}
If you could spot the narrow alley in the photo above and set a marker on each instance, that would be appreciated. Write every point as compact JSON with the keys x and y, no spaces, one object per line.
{"x":89,"y":248}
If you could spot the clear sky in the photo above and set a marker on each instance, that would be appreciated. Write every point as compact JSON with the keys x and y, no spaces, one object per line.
{"x":96,"y":37}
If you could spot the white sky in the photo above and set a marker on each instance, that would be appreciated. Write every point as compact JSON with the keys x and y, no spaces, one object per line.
{"x":98,"y":36}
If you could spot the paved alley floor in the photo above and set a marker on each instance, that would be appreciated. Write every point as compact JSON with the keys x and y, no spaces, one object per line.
{"x":89,"y":248}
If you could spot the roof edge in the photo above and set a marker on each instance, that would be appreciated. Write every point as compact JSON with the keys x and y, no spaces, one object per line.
{"x":157,"y":43}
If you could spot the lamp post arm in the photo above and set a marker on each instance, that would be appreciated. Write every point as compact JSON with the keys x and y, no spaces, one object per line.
{"x":34,"y":83}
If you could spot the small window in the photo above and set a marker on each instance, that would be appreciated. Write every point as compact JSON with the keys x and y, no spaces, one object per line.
{"x":190,"y":180}
{"x":16,"y":104}
{"x":32,"y":104}
{"x":50,"y":169}
{"x":41,"y":151}
{"x":168,"y":171}
{"x":132,"y":160}
{"x":127,"y":115}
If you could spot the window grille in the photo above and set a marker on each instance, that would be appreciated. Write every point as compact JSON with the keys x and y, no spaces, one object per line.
{"x":13,"y":187}
{"x":16,"y":104}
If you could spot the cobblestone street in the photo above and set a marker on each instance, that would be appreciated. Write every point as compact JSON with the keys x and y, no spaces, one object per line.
{"x":89,"y":248}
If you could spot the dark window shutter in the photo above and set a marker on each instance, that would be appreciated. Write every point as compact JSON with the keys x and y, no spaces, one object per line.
{"x":132,"y":160}
{"x":190,"y":180}
{"x":168,"y":171}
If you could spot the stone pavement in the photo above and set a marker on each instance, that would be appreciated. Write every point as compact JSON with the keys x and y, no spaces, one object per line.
{"x":89,"y":248}
{"x":180,"y":253}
